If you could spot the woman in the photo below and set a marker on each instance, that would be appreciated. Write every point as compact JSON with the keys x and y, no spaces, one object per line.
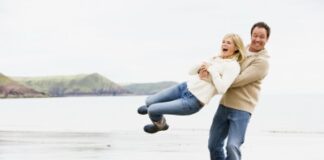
{"x":189,"y":97}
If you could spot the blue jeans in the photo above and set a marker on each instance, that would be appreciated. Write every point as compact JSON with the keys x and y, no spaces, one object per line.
{"x":176,"y":100}
{"x":230,"y":123}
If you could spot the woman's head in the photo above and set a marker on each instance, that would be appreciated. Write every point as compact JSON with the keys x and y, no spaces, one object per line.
{"x":232,"y":46}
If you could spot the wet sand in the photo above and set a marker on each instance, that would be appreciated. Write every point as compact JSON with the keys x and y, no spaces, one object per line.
{"x":137,"y":145}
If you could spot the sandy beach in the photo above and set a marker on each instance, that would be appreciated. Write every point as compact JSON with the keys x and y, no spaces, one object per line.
{"x":94,"y":129}
{"x":137,"y":145}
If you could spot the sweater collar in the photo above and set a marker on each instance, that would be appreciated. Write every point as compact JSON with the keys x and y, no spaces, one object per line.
{"x":263,"y":52}
{"x":233,"y":58}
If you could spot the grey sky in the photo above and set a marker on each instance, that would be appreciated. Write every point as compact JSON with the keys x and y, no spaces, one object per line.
{"x":148,"y":41}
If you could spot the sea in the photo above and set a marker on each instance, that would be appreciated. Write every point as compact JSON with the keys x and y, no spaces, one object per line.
{"x":274,"y":113}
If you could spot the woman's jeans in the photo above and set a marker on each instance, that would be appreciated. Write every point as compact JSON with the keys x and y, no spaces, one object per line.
{"x":176,"y":100}
{"x":230,"y":123}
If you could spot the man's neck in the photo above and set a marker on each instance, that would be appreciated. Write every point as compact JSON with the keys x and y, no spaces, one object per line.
{"x":254,"y":50}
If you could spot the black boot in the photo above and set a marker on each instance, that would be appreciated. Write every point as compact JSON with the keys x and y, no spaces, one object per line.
{"x":161,"y":125}
{"x":142,"y":110}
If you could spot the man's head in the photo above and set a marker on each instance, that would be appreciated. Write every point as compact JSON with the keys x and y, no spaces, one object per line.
{"x":260,"y":33}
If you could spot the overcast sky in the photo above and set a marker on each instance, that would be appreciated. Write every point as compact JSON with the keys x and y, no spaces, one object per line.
{"x":150,"y":41}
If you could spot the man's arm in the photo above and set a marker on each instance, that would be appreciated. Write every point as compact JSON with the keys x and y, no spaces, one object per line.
{"x":256,"y":71}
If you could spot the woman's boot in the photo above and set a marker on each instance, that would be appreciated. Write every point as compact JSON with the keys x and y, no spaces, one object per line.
{"x":161,"y":125}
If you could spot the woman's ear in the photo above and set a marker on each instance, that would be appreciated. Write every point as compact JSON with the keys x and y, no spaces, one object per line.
{"x":236,"y":49}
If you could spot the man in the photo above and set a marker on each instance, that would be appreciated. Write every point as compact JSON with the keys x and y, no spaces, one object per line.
{"x":238,"y":103}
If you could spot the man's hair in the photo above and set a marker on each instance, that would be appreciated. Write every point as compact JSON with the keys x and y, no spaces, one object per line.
{"x":261,"y":25}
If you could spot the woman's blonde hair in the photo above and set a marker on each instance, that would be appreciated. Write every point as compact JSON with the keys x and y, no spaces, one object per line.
{"x":240,"y":52}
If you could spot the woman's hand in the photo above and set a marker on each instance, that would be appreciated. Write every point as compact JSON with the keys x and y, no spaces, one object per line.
{"x":203,"y":74}
{"x":204,"y":66}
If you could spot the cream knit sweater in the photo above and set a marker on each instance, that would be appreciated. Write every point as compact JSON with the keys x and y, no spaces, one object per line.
{"x":245,"y":90}
{"x":222,"y":73}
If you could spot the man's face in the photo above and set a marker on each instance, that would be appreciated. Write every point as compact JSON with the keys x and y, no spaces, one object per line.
{"x":258,"y":39}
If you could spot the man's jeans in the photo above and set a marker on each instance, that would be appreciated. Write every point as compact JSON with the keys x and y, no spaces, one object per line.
{"x":176,"y":100}
{"x":230,"y":123}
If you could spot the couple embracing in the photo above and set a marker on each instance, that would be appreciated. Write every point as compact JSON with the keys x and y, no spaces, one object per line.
{"x":236,"y":73}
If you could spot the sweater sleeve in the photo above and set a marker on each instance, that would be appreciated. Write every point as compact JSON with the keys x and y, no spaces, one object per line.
{"x":195,"y":68}
{"x":256,"y":71}
{"x":224,"y":81}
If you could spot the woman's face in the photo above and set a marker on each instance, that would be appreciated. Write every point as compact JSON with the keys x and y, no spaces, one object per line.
{"x":228,"y":47}
{"x":258,"y":39}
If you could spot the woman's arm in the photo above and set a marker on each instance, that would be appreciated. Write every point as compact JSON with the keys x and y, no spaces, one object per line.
{"x":224,"y":81}
{"x":198,"y":67}
{"x":194,"y":69}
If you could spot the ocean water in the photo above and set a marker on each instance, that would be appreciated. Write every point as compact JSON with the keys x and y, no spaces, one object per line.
{"x":274,"y":113}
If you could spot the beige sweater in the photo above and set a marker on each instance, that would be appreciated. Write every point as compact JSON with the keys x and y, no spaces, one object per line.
{"x":222,"y":73}
{"x":245,"y":90}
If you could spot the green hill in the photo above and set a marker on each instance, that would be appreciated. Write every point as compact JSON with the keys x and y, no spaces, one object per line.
{"x":5,"y":80}
{"x":148,"y":88}
{"x":77,"y":85}
{"x":81,"y":85}
{"x":12,"y":89}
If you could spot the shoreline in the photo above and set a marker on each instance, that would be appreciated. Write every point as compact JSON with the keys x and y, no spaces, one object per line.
{"x":171,"y":144}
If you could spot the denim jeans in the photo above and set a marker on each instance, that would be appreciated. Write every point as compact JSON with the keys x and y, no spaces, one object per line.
{"x":176,"y":100}
{"x":231,"y":124}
